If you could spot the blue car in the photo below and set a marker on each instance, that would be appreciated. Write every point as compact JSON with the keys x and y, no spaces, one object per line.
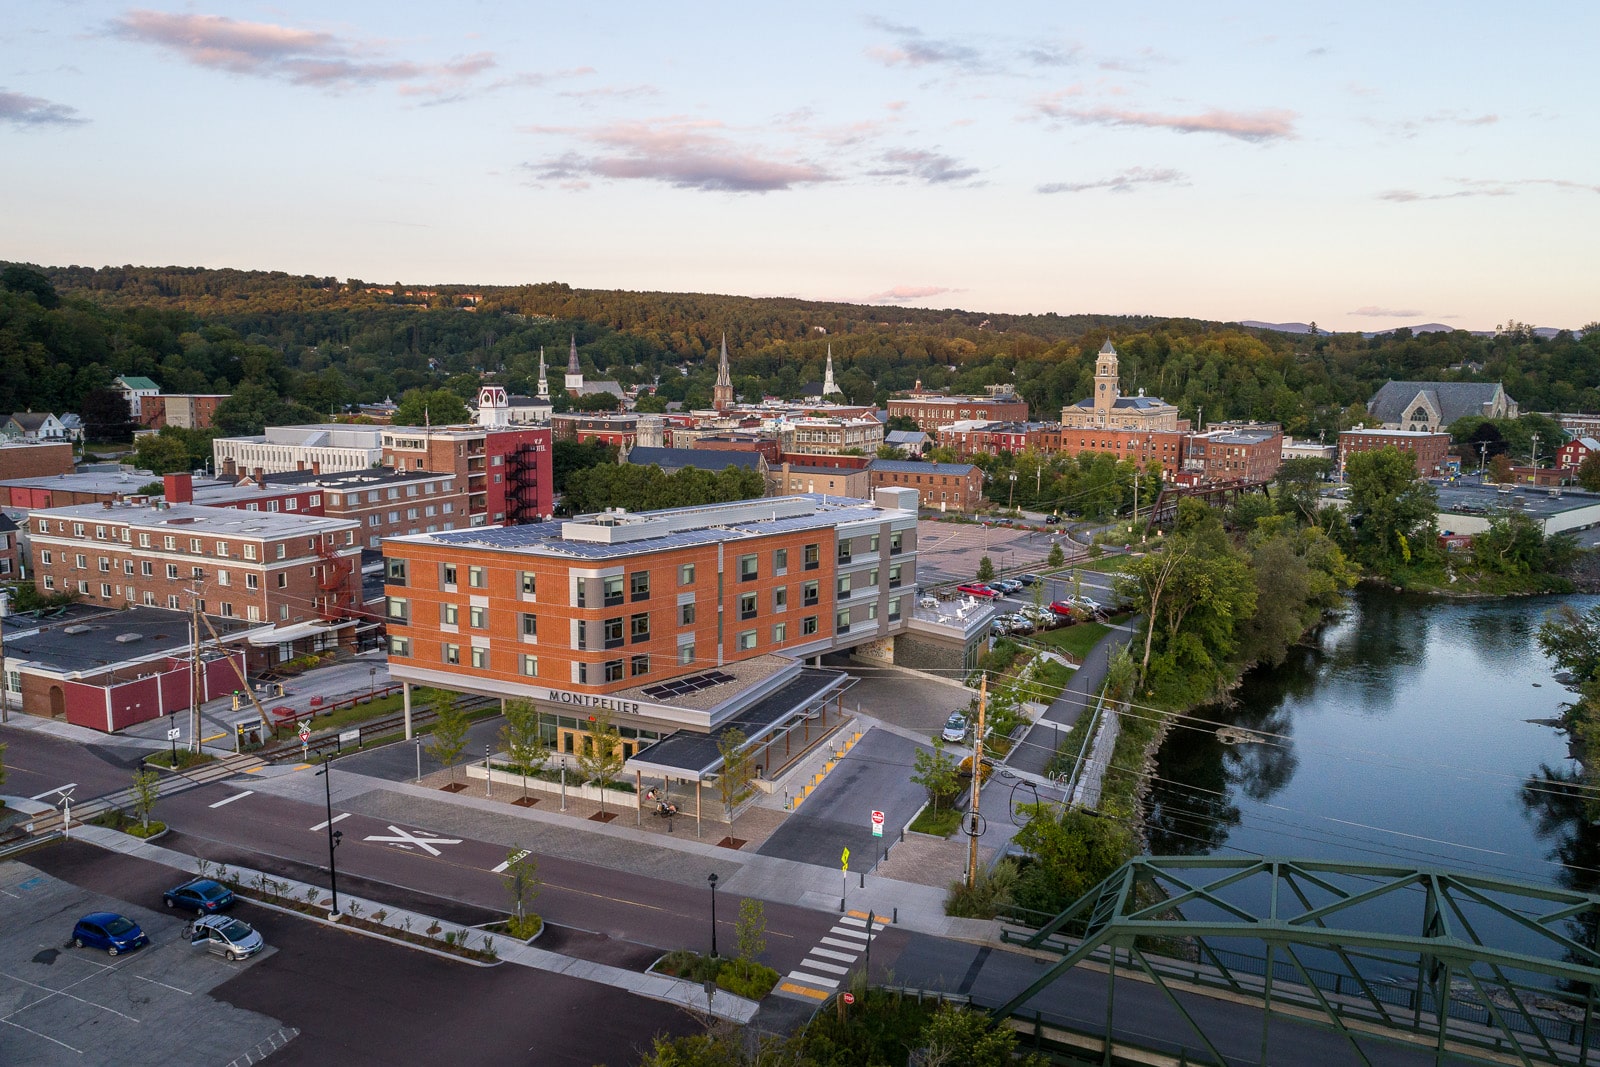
{"x":201,"y":896}
{"x":110,"y":931}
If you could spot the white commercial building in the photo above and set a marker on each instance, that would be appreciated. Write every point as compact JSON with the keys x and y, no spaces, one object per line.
{"x":329,"y":448}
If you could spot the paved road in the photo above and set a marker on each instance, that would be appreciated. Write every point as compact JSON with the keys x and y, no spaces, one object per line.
{"x":357,"y":1000}
{"x":617,"y":908}
{"x":399,"y":762}
{"x":873,"y":776}
{"x":37,"y":762}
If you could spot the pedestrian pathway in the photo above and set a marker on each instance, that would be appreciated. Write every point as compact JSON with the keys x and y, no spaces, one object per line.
{"x":829,"y":962}
{"x":1038,"y":747}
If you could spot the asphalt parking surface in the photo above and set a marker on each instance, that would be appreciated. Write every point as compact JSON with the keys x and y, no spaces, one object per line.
{"x":355,"y":1000}
{"x":156,"y":1005}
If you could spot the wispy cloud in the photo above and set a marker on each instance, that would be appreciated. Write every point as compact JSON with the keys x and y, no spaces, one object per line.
{"x":1471,"y":187}
{"x":1376,"y":312}
{"x":683,"y":153}
{"x":1258,"y":126}
{"x":33,"y":111}
{"x":1124,"y":182}
{"x":606,"y":93}
{"x":1413,"y":127}
{"x":286,"y":53}
{"x":913,"y":48}
{"x":904,"y":294}
{"x":931,"y":167}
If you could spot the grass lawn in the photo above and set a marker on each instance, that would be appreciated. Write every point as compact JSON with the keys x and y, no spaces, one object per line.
{"x":1075,"y":641}
{"x":941,"y":823}
{"x":392,"y":704}
{"x":1104,"y":565}
{"x":1049,"y":680}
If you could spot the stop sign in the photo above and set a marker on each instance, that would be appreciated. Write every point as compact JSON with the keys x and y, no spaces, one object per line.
{"x":848,"y":998}
{"x":877,"y":824}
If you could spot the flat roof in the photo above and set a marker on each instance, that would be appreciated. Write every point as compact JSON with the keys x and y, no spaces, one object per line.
{"x":665,"y":529}
{"x":345,"y":481}
{"x":91,"y":642}
{"x":1529,"y":500}
{"x":692,"y":755}
{"x":102,"y":482}
{"x":199,"y":518}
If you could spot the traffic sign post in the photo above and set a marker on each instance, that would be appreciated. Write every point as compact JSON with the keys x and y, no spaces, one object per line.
{"x":877,"y":824}
{"x":305,"y":740}
{"x":844,"y":885}
{"x":172,"y":735}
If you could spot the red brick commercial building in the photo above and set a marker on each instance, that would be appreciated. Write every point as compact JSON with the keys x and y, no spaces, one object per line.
{"x":978,"y":438}
{"x":788,"y":479}
{"x":607,"y":429}
{"x":1429,"y":451}
{"x":108,"y":670}
{"x":300,"y":573}
{"x":387,"y":503}
{"x":191,"y":411}
{"x":29,"y":460}
{"x":676,"y":622}
{"x":10,"y":555}
{"x":930,"y":411}
{"x":943,"y":486}
{"x":1144,"y":447}
{"x":1230,"y":454}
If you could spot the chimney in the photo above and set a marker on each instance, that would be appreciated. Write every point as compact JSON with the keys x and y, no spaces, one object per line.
{"x":178,"y":488}
{"x":261,"y":478}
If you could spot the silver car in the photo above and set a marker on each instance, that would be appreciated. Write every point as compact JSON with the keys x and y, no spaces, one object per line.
{"x":223,"y":935}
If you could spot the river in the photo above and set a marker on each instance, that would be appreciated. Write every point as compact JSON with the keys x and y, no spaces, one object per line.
{"x":1407,"y":731}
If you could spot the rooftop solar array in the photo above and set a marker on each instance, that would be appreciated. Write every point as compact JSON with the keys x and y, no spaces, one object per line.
{"x":684,"y":686}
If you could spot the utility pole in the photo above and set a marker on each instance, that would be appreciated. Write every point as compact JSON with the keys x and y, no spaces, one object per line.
{"x":977,"y":782}
{"x":194,"y":671}
{"x":1533,"y":452}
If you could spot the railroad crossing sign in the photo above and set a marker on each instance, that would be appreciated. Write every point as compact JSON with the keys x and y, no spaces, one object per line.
{"x":877,"y":824}
{"x":407,"y":840}
{"x":305,"y":732}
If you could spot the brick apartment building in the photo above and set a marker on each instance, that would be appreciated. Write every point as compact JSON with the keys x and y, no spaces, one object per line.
{"x":1430,"y":451}
{"x":685,"y":620}
{"x":988,"y":438}
{"x":944,"y":486}
{"x":790,"y":479}
{"x":387,"y":503}
{"x":931,"y":411}
{"x":826,"y":436}
{"x":297,"y":572}
{"x":10,"y":550}
{"x":506,"y":472}
{"x":190,"y":411}
{"x":617,"y":430}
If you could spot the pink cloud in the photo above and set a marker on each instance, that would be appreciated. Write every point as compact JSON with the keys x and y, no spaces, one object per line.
{"x":683,"y":153}
{"x":287,"y":53}
{"x":1374,"y":311}
{"x":1471,"y":187}
{"x":1125,"y":182}
{"x":1268,"y":125}
{"x":902,"y":294}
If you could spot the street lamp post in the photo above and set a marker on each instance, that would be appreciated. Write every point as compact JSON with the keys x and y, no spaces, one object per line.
{"x":372,"y":683}
{"x":712,"y":881}
{"x":334,"y":836}
{"x":1012,"y":496}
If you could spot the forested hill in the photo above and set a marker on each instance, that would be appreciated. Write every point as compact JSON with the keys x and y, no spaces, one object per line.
{"x":325,"y":343}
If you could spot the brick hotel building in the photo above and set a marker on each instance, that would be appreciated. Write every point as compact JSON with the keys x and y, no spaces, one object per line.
{"x":682,"y":623}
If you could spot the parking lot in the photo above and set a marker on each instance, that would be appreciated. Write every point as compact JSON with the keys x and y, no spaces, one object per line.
{"x":950,"y":551}
{"x":65,"y":1005}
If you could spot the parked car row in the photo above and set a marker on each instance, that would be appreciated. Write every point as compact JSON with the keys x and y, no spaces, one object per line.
{"x":221,"y":935}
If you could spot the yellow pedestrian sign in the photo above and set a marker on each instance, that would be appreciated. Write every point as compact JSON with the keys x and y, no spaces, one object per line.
{"x":845,"y":859}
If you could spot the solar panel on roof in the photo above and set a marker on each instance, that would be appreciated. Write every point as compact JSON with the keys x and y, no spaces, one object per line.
{"x":693,"y":683}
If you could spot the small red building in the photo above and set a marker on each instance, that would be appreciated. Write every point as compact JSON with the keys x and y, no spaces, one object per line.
{"x":1572,"y":454}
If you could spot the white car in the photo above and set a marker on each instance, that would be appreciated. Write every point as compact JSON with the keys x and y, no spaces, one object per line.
{"x":955,"y":728}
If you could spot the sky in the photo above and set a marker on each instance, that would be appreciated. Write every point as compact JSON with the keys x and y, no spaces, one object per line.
{"x":1363,"y":166}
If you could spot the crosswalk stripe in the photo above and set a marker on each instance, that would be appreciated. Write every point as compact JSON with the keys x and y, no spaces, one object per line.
{"x":828,"y":953}
{"x":836,"y":943}
{"x":831,"y":968}
{"x":851,"y":920}
{"x":236,"y":796}
{"x":801,"y":976}
{"x":844,"y":931}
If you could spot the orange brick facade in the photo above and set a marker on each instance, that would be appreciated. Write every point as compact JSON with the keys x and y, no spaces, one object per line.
{"x":932,"y":412}
{"x":1429,"y":451}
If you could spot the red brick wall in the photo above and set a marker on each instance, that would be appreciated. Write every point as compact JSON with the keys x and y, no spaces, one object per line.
{"x":35,"y":461}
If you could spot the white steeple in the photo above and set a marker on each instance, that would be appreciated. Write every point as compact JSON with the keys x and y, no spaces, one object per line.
{"x":544,"y":382}
{"x":829,"y":387}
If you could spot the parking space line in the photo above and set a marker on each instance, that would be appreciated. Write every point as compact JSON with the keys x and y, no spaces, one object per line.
{"x":47,"y":1037}
{"x":164,"y":985}
{"x":230,"y":800}
{"x":62,"y":993}
{"x":337,"y":818}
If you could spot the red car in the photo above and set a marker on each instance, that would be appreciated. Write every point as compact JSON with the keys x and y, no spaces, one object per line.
{"x":976,"y":589}
{"x":1066,"y":610}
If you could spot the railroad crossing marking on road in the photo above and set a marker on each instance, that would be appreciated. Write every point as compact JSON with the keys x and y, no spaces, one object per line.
{"x":405,"y":839}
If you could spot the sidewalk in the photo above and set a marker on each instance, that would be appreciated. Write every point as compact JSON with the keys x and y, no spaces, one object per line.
{"x":684,"y":993}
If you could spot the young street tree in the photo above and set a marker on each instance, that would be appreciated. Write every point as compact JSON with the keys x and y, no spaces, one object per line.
{"x":521,"y":879}
{"x":1056,"y":557}
{"x":449,"y":730}
{"x":750,"y":932}
{"x":520,"y":736}
{"x":936,"y":773}
{"x":600,"y":756}
{"x":146,"y":790}
{"x":985,"y":569}
{"x":737,"y":769}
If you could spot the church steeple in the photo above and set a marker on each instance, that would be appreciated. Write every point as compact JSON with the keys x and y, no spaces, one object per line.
{"x":544,"y":382}
{"x":722,"y":392}
{"x":574,"y":381}
{"x":829,"y":387}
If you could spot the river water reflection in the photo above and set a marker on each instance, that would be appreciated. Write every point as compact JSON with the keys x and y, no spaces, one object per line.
{"x":1403,"y":734}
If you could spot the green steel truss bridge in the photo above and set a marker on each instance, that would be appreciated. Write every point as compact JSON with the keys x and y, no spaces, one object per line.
{"x":1404,"y":964}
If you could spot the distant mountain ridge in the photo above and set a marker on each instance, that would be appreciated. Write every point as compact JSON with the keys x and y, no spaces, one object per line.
{"x":1546,"y":332}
